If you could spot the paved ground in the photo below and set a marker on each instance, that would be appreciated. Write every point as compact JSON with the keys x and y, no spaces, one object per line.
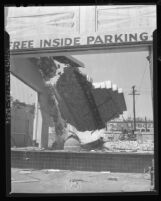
{"x":65,"y":181}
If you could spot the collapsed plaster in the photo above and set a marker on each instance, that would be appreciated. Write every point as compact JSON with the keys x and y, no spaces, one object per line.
{"x":68,"y":96}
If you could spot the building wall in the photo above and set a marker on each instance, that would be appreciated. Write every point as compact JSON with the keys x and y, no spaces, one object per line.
{"x":27,"y":96}
{"x":28,"y":73}
{"x":72,"y":20}
{"x":21,"y":126}
{"x":128,"y":125}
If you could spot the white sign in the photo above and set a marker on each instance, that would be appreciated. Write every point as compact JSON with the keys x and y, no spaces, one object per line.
{"x":80,"y":40}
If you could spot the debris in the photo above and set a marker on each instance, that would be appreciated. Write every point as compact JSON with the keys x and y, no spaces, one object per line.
{"x":146,"y":176}
{"x":76,"y":180}
{"x":105,"y":172}
{"x":25,"y":172}
{"x":46,"y":171}
{"x":25,"y":181}
{"x":27,"y":158}
{"x":113,"y":178}
{"x":93,"y":144}
{"x":135,"y":186}
{"x":53,"y":170}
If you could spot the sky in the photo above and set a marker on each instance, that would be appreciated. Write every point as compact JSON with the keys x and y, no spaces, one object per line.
{"x":21,"y":91}
{"x":124,"y":69}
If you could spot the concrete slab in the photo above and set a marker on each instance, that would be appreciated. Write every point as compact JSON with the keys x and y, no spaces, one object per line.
{"x":66,"y":181}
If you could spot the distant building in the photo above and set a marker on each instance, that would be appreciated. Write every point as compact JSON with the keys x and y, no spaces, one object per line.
{"x":119,"y":125}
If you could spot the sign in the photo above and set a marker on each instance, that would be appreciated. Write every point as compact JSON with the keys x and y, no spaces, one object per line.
{"x":80,"y":40}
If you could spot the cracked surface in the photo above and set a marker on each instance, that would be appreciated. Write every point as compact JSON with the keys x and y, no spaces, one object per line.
{"x":66,"y":181}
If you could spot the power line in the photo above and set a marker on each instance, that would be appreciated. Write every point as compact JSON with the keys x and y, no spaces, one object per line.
{"x":142,"y":91}
{"x":134,"y":94}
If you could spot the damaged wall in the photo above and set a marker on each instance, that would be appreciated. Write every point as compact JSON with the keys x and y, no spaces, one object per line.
{"x":29,"y":74}
{"x":88,"y":108}
{"x":74,"y":99}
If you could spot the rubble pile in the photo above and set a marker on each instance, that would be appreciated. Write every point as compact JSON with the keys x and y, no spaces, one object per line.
{"x":75,"y":100}
{"x":128,"y":145}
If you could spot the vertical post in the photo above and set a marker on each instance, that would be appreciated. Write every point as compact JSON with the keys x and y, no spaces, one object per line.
{"x":133,"y":92}
{"x":151,"y":69}
{"x":145,"y":124}
{"x":152,"y":178}
{"x":35,"y":119}
{"x":134,"y":116}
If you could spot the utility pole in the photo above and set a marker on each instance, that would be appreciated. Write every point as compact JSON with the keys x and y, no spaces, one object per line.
{"x":133,"y":94}
{"x":146,"y":124}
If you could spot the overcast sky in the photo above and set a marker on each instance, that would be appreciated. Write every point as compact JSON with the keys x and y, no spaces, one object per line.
{"x":125,"y":70}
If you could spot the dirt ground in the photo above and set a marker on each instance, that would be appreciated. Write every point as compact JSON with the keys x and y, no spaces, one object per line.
{"x":66,"y":181}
